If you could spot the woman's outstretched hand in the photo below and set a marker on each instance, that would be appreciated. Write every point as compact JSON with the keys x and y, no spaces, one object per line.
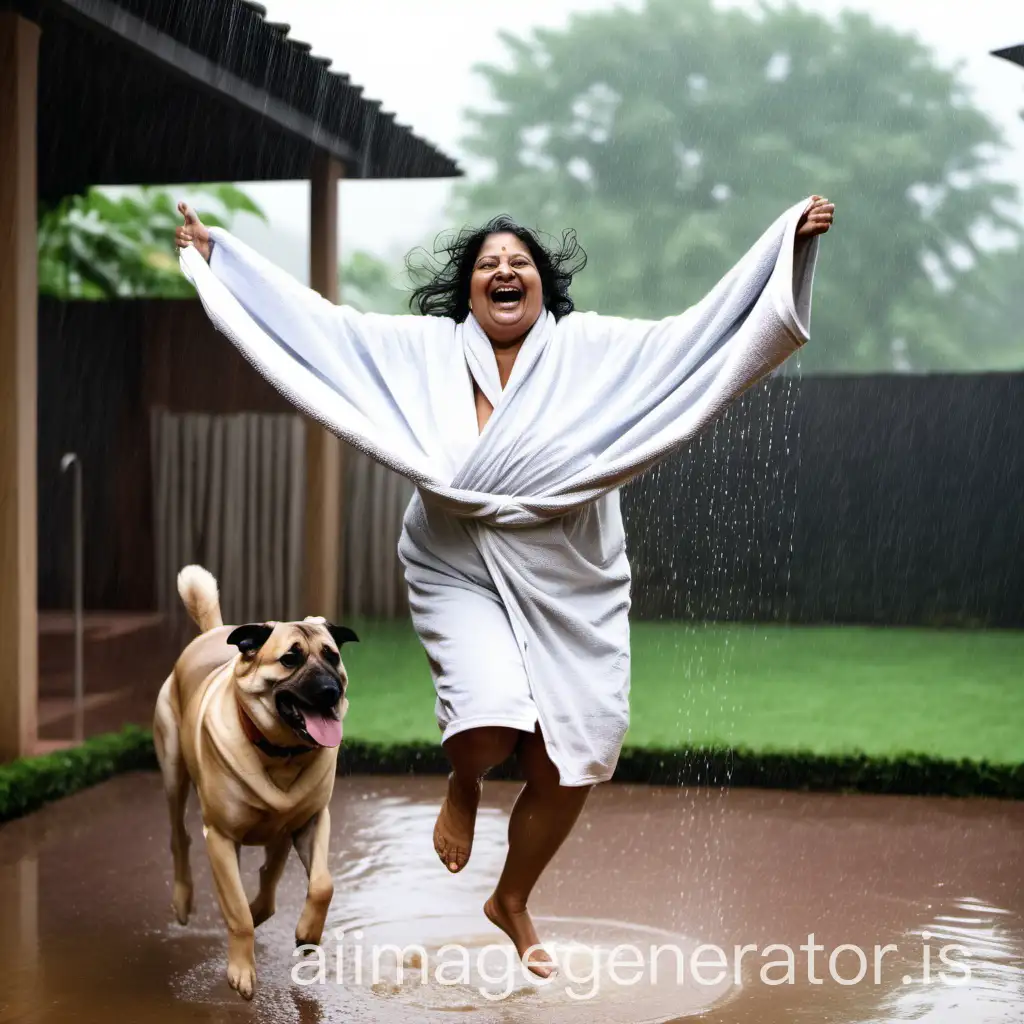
{"x":817,"y":218}
{"x":192,"y":232}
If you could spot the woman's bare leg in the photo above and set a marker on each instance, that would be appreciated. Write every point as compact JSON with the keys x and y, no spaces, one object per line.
{"x":472,"y":754}
{"x":543,"y":816}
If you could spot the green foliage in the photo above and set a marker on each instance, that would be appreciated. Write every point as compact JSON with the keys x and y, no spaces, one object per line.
{"x":369,"y":285}
{"x":914,"y":775}
{"x":670,"y":137}
{"x":30,"y":782}
{"x":982,"y":322}
{"x":95,"y":246}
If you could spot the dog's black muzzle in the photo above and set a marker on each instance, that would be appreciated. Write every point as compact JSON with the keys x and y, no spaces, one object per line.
{"x":320,"y":690}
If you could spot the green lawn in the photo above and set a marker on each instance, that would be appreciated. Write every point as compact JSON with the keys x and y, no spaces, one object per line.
{"x":824,"y":690}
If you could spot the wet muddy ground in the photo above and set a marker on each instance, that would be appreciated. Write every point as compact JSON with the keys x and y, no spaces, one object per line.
{"x":86,"y":933}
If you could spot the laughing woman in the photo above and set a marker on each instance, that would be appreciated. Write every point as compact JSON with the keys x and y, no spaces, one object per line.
{"x":518,"y":420}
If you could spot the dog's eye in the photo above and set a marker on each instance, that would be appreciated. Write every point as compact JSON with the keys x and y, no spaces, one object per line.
{"x":290,"y":659}
{"x":332,"y":657}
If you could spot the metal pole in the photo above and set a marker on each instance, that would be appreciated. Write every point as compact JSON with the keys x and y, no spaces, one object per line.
{"x":71,"y":459}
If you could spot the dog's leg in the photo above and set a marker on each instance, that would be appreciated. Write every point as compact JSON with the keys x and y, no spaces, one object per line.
{"x":311,"y":844}
{"x":176,"y":786}
{"x":264,"y":905}
{"x":235,"y":908}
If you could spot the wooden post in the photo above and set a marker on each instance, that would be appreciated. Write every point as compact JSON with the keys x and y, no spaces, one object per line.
{"x":19,"y":299}
{"x":323,"y":450}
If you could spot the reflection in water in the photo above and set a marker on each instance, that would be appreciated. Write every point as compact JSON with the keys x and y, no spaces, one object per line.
{"x":19,"y":935}
{"x":976,"y":955}
{"x":450,"y":963}
{"x":86,"y":932}
{"x":390,"y":896}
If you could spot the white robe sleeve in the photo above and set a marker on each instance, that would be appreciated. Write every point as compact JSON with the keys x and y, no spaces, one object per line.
{"x":753,"y":319}
{"x":359,"y":374}
{"x":643,"y":388}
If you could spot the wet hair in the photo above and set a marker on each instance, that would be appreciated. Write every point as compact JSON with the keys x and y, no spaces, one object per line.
{"x":446,"y":291}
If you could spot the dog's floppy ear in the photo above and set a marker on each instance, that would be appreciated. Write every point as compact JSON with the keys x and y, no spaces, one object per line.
{"x":342,"y":634}
{"x":251,"y":637}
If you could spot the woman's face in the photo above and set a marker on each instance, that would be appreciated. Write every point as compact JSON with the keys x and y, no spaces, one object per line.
{"x":505,"y":291}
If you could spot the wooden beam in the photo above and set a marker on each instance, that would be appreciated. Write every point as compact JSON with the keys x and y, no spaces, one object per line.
{"x":323,"y":449}
{"x":19,"y":302}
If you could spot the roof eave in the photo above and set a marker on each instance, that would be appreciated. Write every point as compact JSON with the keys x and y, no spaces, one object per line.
{"x":1014,"y":54}
{"x":179,"y":60}
{"x":412,"y":157}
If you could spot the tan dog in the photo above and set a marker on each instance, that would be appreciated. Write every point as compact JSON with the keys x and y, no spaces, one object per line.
{"x":251,"y":716}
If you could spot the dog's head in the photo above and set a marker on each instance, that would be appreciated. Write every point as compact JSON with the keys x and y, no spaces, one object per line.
{"x":291,"y":679}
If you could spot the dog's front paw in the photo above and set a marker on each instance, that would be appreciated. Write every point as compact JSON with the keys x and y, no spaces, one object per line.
{"x":182,"y":901}
{"x":242,"y":977}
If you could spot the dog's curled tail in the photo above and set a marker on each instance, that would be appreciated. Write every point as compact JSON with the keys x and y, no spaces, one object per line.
{"x":198,"y":590}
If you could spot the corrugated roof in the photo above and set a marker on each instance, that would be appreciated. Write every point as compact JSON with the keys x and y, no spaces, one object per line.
{"x":1011,"y":53}
{"x":156,"y":91}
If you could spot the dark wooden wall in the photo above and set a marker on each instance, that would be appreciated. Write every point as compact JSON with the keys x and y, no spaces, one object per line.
{"x":873,"y":499}
{"x":102,"y":367}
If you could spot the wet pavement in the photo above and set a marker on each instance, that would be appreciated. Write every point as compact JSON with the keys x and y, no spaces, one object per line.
{"x":86,"y":933}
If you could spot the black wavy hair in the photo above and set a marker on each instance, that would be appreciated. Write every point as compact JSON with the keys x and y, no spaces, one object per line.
{"x":446,"y":291}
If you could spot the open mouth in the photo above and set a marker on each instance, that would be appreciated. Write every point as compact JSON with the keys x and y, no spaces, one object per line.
{"x":506,"y":296}
{"x":322,"y":729}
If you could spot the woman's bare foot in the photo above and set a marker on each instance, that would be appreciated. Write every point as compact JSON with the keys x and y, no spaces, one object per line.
{"x":516,"y":923}
{"x":456,"y":822}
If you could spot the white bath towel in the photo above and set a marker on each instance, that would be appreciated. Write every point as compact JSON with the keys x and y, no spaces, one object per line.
{"x":513,"y":546}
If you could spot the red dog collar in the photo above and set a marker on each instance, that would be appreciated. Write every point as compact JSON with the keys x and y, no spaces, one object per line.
{"x":260,"y":741}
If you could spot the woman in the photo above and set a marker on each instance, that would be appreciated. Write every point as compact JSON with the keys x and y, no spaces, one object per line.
{"x":518,"y":419}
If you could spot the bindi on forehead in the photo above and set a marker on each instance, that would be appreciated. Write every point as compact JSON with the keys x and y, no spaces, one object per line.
{"x":497,"y":244}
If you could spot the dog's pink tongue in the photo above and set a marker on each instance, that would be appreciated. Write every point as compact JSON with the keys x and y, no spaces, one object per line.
{"x":326,"y":731}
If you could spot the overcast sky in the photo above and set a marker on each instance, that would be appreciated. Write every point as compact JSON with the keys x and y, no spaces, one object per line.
{"x":417,"y":56}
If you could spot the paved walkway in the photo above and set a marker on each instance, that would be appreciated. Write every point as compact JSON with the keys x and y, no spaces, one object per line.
{"x":86,"y":934}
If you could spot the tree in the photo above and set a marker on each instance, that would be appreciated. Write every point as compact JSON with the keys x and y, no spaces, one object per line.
{"x":671,"y":136}
{"x":95,"y":246}
{"x":369,"y":285}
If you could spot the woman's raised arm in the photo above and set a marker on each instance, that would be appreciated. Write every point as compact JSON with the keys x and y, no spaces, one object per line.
{"x":363,"y":375}
{"x":296,"y":315}
{"x":755,"y":317}
{"x":645,"y":387}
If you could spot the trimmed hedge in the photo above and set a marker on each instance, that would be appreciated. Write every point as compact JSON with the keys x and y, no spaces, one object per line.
{"x":30,"y":782}
{"x":27,"y":784}
{"x":912,"y":775}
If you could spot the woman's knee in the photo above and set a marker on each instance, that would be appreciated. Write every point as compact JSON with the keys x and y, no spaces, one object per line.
{"x":539,"y":770}
{"x":476,"y":751}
